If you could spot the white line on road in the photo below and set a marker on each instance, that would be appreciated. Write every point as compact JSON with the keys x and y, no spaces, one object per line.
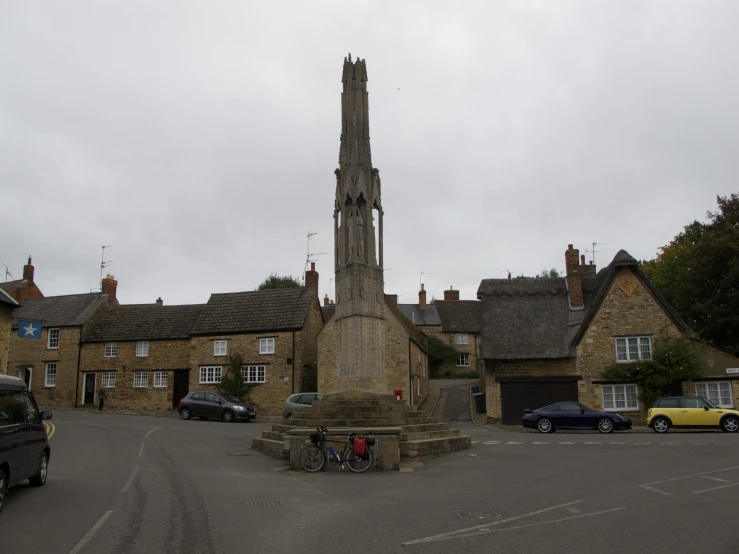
{"x":491,"y":442}
{"x":130,"y":479}
{"x":535,"y":442}
{"x":689,"y":476}
{"x":642,"y":443}
{"x":618,"y":443}
{"x":593,"y":443}
{"x":84,"y":540}
{"x":658,"y":491}
{"x":150,"y":432}
{"x":716,"y":488}
{"x":141,"y":452}
{"x":485,"y":525}
{"x":514,"y":442}
{"x":572,"y":509}
{"x":715,"y":479}
{"x":528,"y":525}
{"x":565,"y":443}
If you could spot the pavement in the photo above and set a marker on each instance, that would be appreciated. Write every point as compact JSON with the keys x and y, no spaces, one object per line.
{"x":142,"y":484}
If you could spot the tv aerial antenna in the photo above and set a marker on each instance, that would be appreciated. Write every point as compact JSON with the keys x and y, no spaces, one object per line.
{"x":308,"y":254}
{"x":420,"y":281}
{"x":104,"y":264}
{"x":7,"y":272}
{"x":593,"y":251}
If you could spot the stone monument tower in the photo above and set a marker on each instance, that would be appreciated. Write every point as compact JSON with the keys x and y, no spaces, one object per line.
{"x":360,"y":297}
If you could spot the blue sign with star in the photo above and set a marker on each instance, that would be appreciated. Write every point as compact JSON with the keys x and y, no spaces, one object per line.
{"x":29,"y":329}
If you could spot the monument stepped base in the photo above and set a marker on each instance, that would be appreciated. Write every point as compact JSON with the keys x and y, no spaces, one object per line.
{"x":418,"y":435}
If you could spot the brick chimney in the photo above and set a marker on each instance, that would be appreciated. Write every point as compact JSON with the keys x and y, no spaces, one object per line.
{"x":392,"y":300}
{"x":160,"y":302}
{"x":311,"y":279}
{"x":110,"y":286}
{"x":325,"y":300}
{"x":422,"y":296}
{"x":574,"y":277}
{"x":28,"y":271}
{"x":451,"y":294}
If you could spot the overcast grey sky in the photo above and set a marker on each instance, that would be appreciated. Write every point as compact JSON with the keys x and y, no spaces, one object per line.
{"x":200,"y":138}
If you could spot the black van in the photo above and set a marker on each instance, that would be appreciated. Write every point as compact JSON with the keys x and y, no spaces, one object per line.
{"x":24,"y":447}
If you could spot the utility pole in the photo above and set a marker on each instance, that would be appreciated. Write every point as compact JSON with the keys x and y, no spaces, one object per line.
{"x":103,"y":264}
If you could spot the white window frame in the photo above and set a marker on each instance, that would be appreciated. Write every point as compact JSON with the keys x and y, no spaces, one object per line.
{"x":220,"y":347}
{"x":463,"y":357}
{"x":612,"y":390}
{"x":267,"y":345}
{"x":640,"y":343}
{"x":255,"y":374}
{"x":50,"y":382}
{"x":53,"y":336}
{"x":142,"y":349}
{"x":161,"y":379}
{"x":212,"y":373}
{"x":111,"y":350}
{"x":462,"y":338}
{"x":701,"y":389}
{"x":141,"y":379}
{"x":107,"y":379}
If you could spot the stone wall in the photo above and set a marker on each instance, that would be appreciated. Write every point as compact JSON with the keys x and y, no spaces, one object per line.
{"x":267,"y":397}
{"x":420,"y":372}
{"x":628,"y":309}
{"x":397,"y":352}
{"x":33,"y":353}
{"x":5,"y":313}
{"x":327,"y":356}
{"x":306,"y":350}
{"x":164,"y":355}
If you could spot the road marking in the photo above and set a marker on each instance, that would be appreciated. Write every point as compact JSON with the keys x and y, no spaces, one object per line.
{"x":642,"y":443}
{"x":150,"y":432}
{"x":689,"y":476}
{"x":565,"y":443}
{"x":528,"y":525}
{"x":535,"y":442}
{"x":475,"y":442}
{"x":491,"y":442}
{"x":668,"y":443}
{"x":452,"y":534}
{"x":716,"y":488}
{"x":572,"y":509}
{"x":130,"y":479}
{"x":514,"y":442}
{"x":658,"y":491}
{"x":593,"y":443}
{"x":715,"y":479}
{"x":50,"y":429}
{"x":141,"y":452}
{"x":618,"y":443}
{"x":84,"y":540}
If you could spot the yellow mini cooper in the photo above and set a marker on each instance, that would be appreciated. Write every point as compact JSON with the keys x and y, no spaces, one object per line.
{"x":690,"y":412}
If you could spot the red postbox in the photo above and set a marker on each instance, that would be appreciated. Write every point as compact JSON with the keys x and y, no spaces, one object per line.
{"x":398,"y":395}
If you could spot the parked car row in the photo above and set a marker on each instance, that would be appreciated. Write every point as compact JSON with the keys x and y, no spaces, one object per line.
{"x":211,"y":405}
{"x":679,"y":412}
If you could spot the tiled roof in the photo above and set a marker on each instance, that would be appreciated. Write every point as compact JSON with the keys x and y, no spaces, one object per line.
{"x":144,"y":322}
{"x":460,"y":316}
{"x":10,"y":286}
{"x":328,"y":311}
{"x":60,"y":311}
{"x":415,"y":333}
{"x":255,"y":311}
{"x":426,"y":315}
{"x":5,"y":298}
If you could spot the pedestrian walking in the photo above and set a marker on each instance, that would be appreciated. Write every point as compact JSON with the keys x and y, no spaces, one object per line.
{"x":101,"y":397}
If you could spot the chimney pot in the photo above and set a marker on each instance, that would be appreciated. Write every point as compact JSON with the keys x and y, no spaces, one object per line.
{"x":313,"y":266}
{"x":325,"y":300}
{"x":160,"y":302}
{"x":311,"y":279}
{"x":422,"y":296}
{"x":582,"y":259}
{"x":451,"y":294}
{"x":28,"y":271}
{"x":110,"y":287}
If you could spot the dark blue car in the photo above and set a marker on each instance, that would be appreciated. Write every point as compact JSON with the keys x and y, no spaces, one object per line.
{"x":573,"y":415}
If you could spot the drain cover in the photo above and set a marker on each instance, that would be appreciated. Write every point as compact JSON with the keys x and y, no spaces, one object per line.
{"x":478,"y":514}
{"x":261,"y":503}
{"x":238,"y":453}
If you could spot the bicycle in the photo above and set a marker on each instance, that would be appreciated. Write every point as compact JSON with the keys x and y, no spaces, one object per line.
{"x":314,"y":456}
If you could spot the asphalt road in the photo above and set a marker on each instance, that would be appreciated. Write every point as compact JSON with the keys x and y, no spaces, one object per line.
{"x":197,"y":487}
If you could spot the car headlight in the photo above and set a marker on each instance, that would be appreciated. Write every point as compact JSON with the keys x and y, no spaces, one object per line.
{"x":239,"y":408}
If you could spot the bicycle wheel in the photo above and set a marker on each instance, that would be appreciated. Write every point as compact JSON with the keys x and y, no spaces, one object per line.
{"x":312,"y":458}
{"x":358,"y":464}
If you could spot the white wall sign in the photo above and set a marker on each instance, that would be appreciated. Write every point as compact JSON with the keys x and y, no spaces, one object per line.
{"x":732,"y":370}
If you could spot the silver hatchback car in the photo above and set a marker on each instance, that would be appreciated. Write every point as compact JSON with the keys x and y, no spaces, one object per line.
{"x":300,"y":400}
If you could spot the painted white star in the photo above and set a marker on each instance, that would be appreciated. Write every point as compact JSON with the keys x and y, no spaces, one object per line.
{"x":30,"y":330}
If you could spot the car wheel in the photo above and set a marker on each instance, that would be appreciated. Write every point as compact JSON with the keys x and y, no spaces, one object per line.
{"x":660,"y":425}
{"x":228,"y":416}
{"x":545,"y":425}
{"x":3,"y":488}
{"x":730,"y":424}
{"x":605,"y":425}
{"x":185,"y":413}
{"x":39,"y":480}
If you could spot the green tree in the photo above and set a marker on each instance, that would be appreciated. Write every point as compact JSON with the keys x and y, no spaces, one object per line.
{"x":275,"y":281}
{"x":232,"y":382}
{"x":674,"y":360}
{"x":698,"y":273}
{"x":546,"y":273}
{"x":440,"y":352}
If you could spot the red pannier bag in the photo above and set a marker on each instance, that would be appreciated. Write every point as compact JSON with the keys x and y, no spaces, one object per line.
{"x":359,"y":447}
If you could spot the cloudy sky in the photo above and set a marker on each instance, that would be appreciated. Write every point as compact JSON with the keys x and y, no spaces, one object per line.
{"x":199,"y":139}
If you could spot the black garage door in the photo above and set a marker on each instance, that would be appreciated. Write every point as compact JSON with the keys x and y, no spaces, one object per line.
{"x":530,"y":395}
